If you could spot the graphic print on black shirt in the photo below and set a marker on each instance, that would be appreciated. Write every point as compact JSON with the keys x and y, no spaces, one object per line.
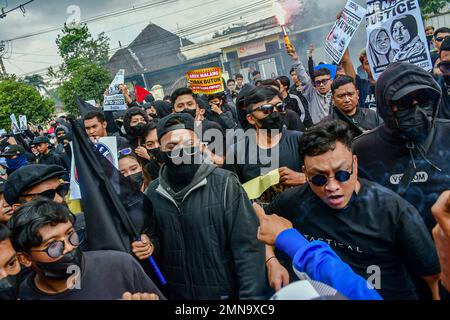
{"x":378,"y":228}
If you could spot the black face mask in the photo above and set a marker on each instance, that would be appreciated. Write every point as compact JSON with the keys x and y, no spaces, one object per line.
{"x":153,"y":115}
{"x":9,"y":288}
{"x":273,"y":122}
{"x":192,"y":112}
{"x":447,"y":81}
{"x":61,"y":139}
{"x":59,"y":270}
{"x":137,"y":130}
{"x":429,"y":38}
{"x":415,"y":122}
{"x":184,"y":166}
{"x":138,"y":178}
{"x":155,"y":153}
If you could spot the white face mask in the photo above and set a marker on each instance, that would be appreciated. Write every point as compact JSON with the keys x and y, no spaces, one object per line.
{"x":52,"y":141}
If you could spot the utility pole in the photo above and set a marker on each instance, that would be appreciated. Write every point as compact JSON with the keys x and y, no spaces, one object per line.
{"x":2,"y":53}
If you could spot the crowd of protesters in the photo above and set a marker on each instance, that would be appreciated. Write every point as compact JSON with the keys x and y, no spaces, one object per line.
{"x":361,"y":200}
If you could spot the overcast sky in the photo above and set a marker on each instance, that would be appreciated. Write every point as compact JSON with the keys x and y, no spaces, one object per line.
{"x":39,"y":52}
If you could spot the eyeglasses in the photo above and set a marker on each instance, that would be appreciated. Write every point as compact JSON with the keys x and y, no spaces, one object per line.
{"x":319,"y":83}
{"x":62,"y":190}
{"x":320,"y":180}
{"x":269,"y":108}
{"x":125,"y":152}
{"x":56,"y":248}
{"x":182,"y":151}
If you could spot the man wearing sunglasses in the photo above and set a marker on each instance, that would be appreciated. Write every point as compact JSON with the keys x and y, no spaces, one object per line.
{"x":318,"y":93}
{"x":439,"y":36}
{"x":45,"y":240}
{"x":364,"y":223}
{"x":444,"y":79}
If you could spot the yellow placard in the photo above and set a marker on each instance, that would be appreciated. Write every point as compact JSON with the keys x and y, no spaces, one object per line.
{"x":206,"y":81}
{"x":256,"y":187}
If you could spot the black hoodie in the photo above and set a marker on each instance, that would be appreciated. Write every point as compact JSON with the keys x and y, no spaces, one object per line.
{"x":383,"y":156}
{"x":133,"y":139}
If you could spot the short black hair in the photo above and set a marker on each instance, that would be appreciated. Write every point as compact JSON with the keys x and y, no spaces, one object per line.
{"x":181,"y":92}
{"x":151,"y":125}
{"x":284,"y":81}
{"x":219,"y":95}
{"x":32,"y":216}
{"x":239,"y":76}
{"x":230,"y":80}
{"x":445,"y":46}
{"x":260,"y":94}
{"x":322,"y":72}
{"x":292,"y":70}
{"x":255,"y":73}
{"x":95,"y":114}
{"x":4,"y":232}
{"x":270,"y":82}
{"x":323,"y":137}
{"x":166,"y":97}
{"x":441,"y":30}
{"x":341,"y":81}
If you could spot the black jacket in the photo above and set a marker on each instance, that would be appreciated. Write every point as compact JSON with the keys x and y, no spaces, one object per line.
{"x":444,"y":110}
{"x":383,"y":155}
{"x":364,"y":119}
{"x":207,"y":234}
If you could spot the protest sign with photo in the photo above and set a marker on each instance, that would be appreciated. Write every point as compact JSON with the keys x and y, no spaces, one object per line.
{"x":114,"y":100}
{"x":15,"y":126}
{"x":107,"y":147}
{"x":343,"y":30}
{"x":23,"y":124}
{"x":206,"y":81}
{"x":395,"y":33}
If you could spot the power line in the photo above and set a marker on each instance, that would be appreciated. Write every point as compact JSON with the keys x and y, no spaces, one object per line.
{"x":96,"y":18}
{"x":3,"y":13}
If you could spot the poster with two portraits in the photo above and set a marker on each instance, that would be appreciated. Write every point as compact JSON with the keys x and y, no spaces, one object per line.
{"x":395,"y":33}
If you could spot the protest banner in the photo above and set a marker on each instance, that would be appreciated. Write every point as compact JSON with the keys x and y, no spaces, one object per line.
{"x":23,"y":123}
{"x":15,"y":126}
{"x":115,"y":100}
{"x":343,"y":30}
{"x":107,"y":147}
{"x":395,"y":32}
{"x":206,"y":81}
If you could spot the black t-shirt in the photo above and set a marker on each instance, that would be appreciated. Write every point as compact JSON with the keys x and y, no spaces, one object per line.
{"x":291,"y":121}
{"x":250,"y":161}
{"x":377,"y":229}
{"x":105,"y":275}
{"x":366,"y":93}
{"x":384,"y":158}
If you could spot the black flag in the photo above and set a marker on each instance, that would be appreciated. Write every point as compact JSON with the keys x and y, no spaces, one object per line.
{"x":108,"y":225}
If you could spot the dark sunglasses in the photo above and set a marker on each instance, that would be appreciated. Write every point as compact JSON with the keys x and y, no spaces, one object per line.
{"x":319,"y":83}
{"x":62,"y":190}
{"x":320,"y":180}
{"x":421,"y":96}
{"x":269,"y":108}
{"x":440,"y":39}
{"x":56,"y":248}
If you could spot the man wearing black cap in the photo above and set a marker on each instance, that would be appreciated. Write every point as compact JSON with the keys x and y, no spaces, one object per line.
{"x":35,"y":180}
{"x":206,"y":222}
{"x":15,"y":157}
{"x":47,"y":156}
{"x":5,"y":209}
